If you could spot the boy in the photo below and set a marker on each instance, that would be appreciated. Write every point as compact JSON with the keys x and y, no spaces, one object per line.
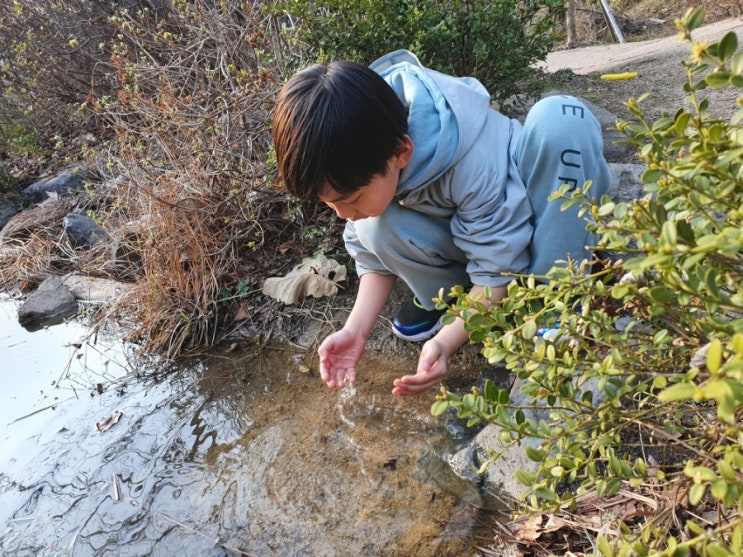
{"x":438,"y":189}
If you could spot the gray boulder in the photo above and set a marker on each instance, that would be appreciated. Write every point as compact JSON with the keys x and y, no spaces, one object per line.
{"x":500,"y":476}
{"x":50,"y":304}
{"x":7,"y":212}
{"x":63,"y":184}
{"x":625,"y":181}
{"x":82,"y":231}
{"x":95,"y":290}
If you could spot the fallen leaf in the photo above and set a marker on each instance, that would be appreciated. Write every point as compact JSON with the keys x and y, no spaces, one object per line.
{"x":529,"y":530}
{"x":699,"y":359}
{"x":555,"y":523}
{"x":242,"y":314}
{"x":109,"y":422}
{"x":287,"y":246}
{"x":315,"y":277}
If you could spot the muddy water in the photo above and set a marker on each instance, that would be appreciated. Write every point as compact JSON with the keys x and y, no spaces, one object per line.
{"x":241,"y":453}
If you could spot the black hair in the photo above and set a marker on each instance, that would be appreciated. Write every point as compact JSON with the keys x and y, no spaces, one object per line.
{"x":336,"y":126}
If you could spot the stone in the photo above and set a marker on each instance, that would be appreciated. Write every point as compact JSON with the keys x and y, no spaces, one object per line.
{"x":500,"y":475}
{"x":46,"y":214}
{"x":50,"y":304}
{"x":82,"y":231}
{"x":625,"y":181}
{"x":95,"y":290}
{"x":7,"y":212}
{"x":63,"y":184}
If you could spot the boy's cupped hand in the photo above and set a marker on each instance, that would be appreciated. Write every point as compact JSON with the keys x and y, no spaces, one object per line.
{"x":430,"y":372}
{"x":339,"y":355}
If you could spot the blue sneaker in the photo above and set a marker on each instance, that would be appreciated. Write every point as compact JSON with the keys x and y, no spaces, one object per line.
{"x":414,"y":323}
{"x":556,"y":335}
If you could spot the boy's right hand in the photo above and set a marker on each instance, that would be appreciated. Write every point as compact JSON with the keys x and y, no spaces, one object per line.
{"x":339,"y":355}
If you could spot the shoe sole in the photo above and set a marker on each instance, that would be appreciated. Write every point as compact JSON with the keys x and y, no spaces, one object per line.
{"x":425,"y":335}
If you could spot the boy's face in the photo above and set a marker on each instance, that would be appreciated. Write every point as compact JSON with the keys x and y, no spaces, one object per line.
{"x":372,"y":199}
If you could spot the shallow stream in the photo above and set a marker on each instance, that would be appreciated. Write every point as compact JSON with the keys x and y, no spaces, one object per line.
{"x":242,"y":452}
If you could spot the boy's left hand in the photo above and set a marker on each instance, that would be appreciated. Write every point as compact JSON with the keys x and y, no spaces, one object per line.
{"x":430,"y":372}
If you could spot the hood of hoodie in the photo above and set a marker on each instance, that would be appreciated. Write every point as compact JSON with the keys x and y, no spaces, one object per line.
{"x":445,"y":115}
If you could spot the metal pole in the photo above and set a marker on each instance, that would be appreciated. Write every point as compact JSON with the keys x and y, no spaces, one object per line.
{"x":613,"y":25}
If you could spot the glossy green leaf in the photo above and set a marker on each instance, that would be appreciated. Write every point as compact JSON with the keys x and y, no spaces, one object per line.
{"x":604,"y":547}
{"x":439,"y":407}
{"x":727,"y":46}
{"x":714,"y":356}
{"x":696,"y":492}
{"x":529,"y":330}
{"x":718,"y":79}
{"x":679,"y":391}
{"x":718,"y":489}
{"x":713,"y":550}
{"x":694,"y":18}
{"x":537,"y":455}
{"x":524,"y":477}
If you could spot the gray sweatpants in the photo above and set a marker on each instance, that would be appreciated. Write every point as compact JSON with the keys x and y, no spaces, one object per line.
{"x":561,"y":143}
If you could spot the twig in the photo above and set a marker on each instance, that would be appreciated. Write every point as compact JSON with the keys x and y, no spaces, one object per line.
{"x":42,"y":409}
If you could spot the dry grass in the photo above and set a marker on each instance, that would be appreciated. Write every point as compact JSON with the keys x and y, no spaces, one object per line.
{"x":196,"y":210}
{"x":203,"y":211}
{"x":32,"y":246}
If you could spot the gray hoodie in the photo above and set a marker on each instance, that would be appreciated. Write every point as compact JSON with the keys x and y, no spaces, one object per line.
{"x":462,"y":168}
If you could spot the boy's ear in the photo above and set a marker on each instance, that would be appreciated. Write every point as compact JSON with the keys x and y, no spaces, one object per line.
{"x":404,"y":152}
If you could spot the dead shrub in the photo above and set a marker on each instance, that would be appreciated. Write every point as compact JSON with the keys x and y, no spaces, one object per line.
{"x":51,"y":60}
{"x":191,"y":116}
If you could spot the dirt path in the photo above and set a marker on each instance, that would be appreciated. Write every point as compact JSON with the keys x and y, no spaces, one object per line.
{"x":659,"y":68}
{"x":623,"y":57}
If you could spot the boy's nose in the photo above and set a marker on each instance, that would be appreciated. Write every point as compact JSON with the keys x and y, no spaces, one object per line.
{"x":343,"y":213}
{"x":352,"y":215}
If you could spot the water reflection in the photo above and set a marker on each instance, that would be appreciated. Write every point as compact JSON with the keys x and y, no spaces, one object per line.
{"x":238,"y":454}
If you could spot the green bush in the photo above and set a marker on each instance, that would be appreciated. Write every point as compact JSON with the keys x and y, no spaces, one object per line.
{"x":15,"y":144}
{"x":496,"y":41}
{"x":15,"y":141}
{"x":644,"y":384}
